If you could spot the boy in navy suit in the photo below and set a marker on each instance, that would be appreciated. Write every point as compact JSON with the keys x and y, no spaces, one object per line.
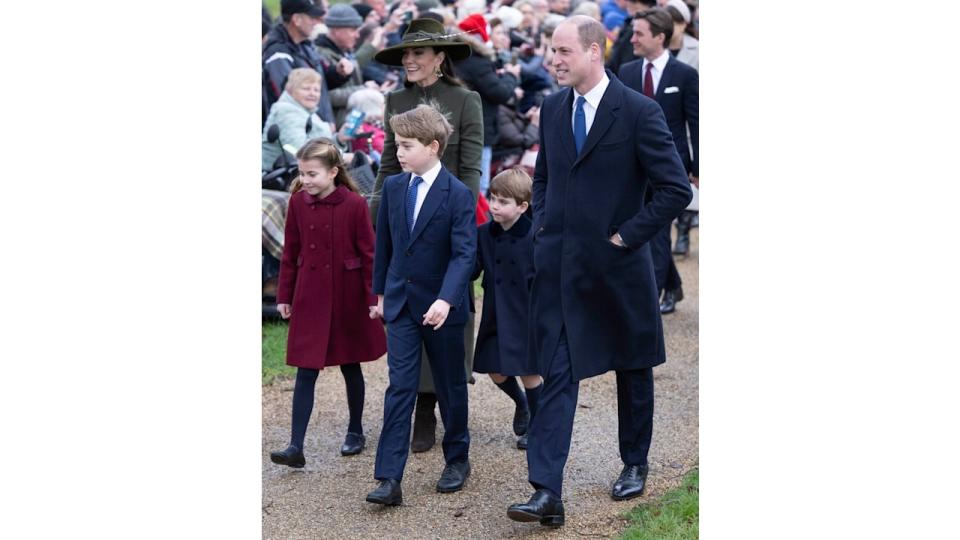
{"x":505,"y":256}
{"x":426,"y":247}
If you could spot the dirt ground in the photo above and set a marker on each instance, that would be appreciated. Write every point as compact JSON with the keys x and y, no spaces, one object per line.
{"x":325,"y":499}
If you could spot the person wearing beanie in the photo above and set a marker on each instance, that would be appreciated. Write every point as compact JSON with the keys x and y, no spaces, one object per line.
{"x":364,"y":11}
{"x":342,"y":67}
{"x":426,"y":5}
{"x":288,"y":46}
{"x":476,"y":24}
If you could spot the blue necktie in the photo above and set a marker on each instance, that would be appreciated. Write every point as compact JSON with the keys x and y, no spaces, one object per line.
{"x":579,"y":125}
{"x":412,"y":200}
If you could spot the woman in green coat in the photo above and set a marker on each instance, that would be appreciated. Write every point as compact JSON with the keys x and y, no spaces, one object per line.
{"x":426,"y":54}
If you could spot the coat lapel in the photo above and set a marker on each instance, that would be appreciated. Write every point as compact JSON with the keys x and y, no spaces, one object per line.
{"x":400,"y":198}
{"x":436,"y":195}
{"x":665,"y":79}
{"x":565,"y":121}
{"x":606,"y":114}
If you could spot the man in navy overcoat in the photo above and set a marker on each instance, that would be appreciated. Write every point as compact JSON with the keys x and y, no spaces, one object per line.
{"x":594,"y":305}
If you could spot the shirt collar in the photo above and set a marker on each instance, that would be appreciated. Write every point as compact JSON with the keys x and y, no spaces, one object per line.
{"x":430,"y":176}
{"x":659,"y":63}
{"x":593,"y":96}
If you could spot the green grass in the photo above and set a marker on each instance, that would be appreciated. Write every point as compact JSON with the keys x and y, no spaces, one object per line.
{"x":675,"y":516}
{"x":273,"y":351}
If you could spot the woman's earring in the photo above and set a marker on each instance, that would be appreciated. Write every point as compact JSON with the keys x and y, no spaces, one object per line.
{"x":438,"y":73}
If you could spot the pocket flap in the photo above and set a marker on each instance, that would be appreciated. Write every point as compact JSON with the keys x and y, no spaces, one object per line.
{"x":352,"y":264}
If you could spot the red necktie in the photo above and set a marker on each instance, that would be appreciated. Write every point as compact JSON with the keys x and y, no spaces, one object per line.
{"x":648,"y":81}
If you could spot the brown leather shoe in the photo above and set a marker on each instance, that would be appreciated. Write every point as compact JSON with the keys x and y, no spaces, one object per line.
{"x":424,"y":423}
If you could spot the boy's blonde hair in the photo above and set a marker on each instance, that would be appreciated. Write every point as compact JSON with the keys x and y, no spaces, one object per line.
{"x":423,"y":123}
{"x":301,"y":75}
{"x":513,"y":183}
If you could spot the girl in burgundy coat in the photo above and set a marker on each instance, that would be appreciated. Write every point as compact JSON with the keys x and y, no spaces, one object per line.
{"x":324,"y":289}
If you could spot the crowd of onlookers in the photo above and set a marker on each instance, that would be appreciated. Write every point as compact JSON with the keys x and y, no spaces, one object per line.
{"x":322,"y":78}
{"x":318,"y":65}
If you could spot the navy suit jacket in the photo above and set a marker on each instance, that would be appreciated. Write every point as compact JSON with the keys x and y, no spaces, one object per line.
{"x":680,"y":106}
{"x":605,"y":296}
{"x":436,"y":259}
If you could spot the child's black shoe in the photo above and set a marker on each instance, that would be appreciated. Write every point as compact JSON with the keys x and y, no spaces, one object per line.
{"x":291,"y":457}
{"x":353,"y":444}
{"x":521,"y":419}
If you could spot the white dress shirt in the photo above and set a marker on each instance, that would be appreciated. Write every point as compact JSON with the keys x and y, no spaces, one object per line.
{"x":428,"y":178}
{"x":658,"y":66}
{"x":592,"y":101}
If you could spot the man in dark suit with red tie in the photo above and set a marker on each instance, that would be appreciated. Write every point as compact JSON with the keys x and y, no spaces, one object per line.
{"x":593,"y":302}
{"x":675,"y":86}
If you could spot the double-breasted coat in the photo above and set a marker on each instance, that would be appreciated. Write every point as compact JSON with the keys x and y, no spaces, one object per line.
{"x":604,"y":295}
{"x":325,"y":275}
{"x":506,"y":260}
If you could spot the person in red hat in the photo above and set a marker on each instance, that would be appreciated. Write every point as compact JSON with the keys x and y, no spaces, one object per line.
{"x":496,"y":86}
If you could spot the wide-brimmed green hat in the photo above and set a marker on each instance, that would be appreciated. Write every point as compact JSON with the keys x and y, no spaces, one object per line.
{"x":424,"y":33}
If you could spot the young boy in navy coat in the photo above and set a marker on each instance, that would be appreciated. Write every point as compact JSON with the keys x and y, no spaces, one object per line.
{"x":425,"y":253}
{"x":505,"y":255}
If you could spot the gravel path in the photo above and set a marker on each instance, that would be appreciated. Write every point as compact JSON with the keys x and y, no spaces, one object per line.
{"x":326,"y":498}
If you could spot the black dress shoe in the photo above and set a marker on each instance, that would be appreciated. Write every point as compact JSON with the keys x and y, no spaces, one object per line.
{"x":424,"y":424}
{"x":388,"y":493}
{"x":542,"y":507}
{"x":631,"y":482}
{"x":453,"y":477}
{"x":353,"y":444}
{"x":670,"y":299}
{"x":521,"y":420}
{"x":522,"y":442}
{"x":291,"y":457}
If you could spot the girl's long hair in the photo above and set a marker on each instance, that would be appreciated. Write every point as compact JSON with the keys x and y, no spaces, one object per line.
{"x":323,"y":149}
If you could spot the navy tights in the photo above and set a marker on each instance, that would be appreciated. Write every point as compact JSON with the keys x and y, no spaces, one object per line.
{"x":303,"y":391}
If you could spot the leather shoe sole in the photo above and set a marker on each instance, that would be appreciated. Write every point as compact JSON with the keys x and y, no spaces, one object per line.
{"x":454,"y":487}
{"x":620,"y":496}
{"x":296,"y":461}
{"x":524,"y":516}
{"x":386,"y":501}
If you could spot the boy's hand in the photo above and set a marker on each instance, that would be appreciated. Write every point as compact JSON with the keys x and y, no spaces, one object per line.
{"x":377,"y":310}
{"x":437,"y":314}
{"x":284,"y":310}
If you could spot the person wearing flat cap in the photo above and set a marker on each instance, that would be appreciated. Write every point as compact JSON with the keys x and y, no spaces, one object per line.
{"x":288,"y":46}
{"x":427,"y":52}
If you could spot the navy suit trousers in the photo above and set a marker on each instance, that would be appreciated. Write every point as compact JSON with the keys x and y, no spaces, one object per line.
{"x":664,"y":268}
{"x":405,"y":336}
{"x":552,"y":428}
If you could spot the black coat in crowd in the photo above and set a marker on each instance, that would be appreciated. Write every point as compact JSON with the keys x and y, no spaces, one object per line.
{"x":479,"y":73}
{"x":621,"y":51}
